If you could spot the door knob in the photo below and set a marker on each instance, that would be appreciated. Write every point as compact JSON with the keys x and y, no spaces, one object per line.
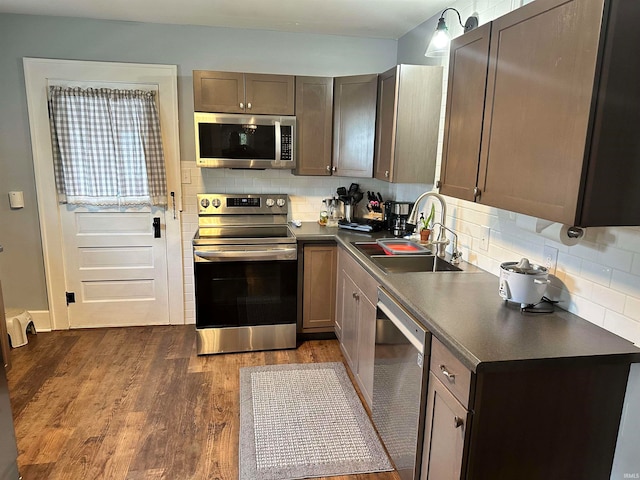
{"x":156,"y":227}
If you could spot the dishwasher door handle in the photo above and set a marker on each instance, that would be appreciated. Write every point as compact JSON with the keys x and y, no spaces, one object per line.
{"x":400,"y":325}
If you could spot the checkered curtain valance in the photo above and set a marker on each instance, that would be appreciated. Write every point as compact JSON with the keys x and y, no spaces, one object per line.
{"x":107,"y":147}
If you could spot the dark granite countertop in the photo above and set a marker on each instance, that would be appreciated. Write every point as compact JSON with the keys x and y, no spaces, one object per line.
{"x":464,"y":311}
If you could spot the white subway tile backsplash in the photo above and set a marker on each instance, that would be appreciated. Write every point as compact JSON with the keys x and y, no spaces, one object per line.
{"x":495,"y":251}
{"x":632,"y":308}
{"x":616,"y":258}
{"x":596,"y":272}
{"x":588,"y":310}
{"x":577,"y":285}
{"x":626,"y":283}
{"x":608,"y":298}
{"x":585,"y":250}
{"x":569,"y":264}
{"x":623,"y":326}
{"x":635,"y":264}
{"x":627,"y":238}
{"x":489,"y":264}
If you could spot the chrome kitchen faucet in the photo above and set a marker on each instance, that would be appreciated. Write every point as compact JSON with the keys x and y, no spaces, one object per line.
{"x":442,"y":240}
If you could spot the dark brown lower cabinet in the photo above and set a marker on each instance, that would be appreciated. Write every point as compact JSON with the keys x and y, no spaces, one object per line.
{"x":319,"y":265}
{"x":545,"y":420}
{"x":445,"y":427}
{"x":357,"y":293}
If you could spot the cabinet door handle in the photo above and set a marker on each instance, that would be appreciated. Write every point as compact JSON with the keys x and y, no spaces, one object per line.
{"x":438,"y":184}
{"x":355,"y":295}
{"x":328,"y":168}
{"x":447,"y":374}
{"x":242,"y":105}
{"x":457,"y":422}
{"x":249,"y":105}
{"x":476,"y":192}
{"x":334,"y":168}
{"x":386,"y":174}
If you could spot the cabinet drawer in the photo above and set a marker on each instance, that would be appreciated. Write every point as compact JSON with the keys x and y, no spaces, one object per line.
{"x":365,"y":282}
{"x":446,"y":367}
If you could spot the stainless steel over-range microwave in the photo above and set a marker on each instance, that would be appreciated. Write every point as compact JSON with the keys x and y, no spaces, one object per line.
{"x":245,"y":141}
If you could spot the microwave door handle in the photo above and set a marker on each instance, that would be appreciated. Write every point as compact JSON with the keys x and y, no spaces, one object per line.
{"x":278,"y":141}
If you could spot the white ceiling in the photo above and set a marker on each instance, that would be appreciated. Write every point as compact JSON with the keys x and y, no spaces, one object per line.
{"x":361,"y":18}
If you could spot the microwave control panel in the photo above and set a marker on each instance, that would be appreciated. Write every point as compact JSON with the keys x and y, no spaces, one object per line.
{"x":285,"y":142}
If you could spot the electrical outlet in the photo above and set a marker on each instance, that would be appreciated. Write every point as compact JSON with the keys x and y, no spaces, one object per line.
{"x":550,"y":255}
{"x":484,"y":239}
{"x":186,"y":176}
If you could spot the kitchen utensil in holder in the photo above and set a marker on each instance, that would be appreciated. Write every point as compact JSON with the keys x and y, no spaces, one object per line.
{"x":348,"y":209}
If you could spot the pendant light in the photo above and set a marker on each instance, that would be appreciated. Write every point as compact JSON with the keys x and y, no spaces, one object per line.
{"x":439,"y":44}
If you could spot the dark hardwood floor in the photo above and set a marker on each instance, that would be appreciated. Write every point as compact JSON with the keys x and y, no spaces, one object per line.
{"x":135,"y":403}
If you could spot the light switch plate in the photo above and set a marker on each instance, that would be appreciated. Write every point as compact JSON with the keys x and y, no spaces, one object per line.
{"x":484,"y":239}
{"x":550,"y":256}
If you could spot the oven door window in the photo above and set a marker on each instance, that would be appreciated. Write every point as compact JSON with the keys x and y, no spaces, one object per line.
{"x":228,"y":140}
{"x":238,"y":294}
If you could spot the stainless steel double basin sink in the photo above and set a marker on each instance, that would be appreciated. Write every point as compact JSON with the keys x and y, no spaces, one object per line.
{"x":422,"y":262}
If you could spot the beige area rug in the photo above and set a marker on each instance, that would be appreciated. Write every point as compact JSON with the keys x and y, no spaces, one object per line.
{"x":303,"y":421}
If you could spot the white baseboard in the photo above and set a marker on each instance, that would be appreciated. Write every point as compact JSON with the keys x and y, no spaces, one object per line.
{"x":41,"y":319}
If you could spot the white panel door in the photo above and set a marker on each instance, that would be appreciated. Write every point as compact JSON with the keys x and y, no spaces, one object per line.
{"x":39,"y":74}
{"x":115,"y":268}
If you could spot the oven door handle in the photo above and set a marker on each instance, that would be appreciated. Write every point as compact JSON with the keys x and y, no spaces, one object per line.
{"x":244,"y":255}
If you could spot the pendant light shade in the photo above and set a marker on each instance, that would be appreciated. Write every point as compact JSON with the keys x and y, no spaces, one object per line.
{"x":439,"y":44}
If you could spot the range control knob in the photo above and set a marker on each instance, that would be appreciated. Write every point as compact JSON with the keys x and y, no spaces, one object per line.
{"x":280,"y":202}
{"x":269,"y":202}
{"x":204,"y":202}
{"x":216,"y":203}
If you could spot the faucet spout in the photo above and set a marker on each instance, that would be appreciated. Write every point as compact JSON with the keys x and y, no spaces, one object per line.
{"x":413,"y":216}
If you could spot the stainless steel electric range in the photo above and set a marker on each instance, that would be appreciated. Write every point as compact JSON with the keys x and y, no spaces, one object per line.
{"x":245,"y":267}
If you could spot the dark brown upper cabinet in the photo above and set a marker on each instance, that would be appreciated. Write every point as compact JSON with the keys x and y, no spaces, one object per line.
{"x":542,"y":113}
{"x":469,"y":58}
{"x":314,"y":125}
{"x":354,"y":124}
{"x":230,"y":92}
{"x":409,"y":104}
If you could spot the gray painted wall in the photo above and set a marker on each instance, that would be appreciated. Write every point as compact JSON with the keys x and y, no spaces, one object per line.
{"x":411,"y":47}
{"x":188,"y":47}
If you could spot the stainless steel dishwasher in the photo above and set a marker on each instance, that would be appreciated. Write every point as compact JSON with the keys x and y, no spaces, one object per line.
{"x":400,"y":375}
